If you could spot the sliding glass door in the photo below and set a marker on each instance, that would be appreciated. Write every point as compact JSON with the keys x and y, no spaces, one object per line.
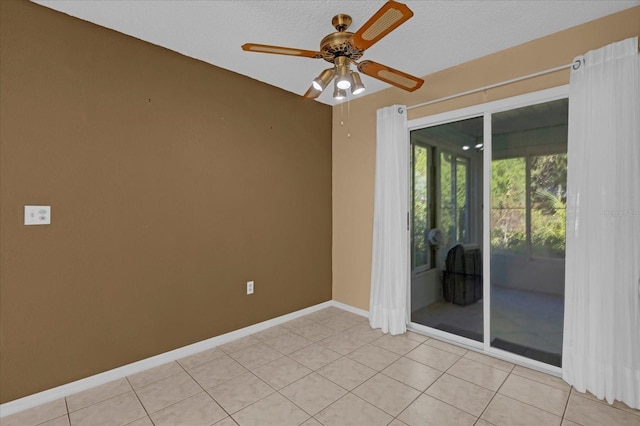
{"x":528,"y":197}
{"x":445,"y":239}
{"x":488,"y":226}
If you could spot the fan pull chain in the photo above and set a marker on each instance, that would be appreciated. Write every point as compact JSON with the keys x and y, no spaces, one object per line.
{"x":348,"y":117}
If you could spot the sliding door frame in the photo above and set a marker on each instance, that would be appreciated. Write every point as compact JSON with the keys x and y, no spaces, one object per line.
{"x":485,"y":110}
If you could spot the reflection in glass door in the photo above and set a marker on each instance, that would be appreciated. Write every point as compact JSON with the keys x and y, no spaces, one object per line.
{"x":528,"y":196}
{"x":446,"y":213}
{"x":454,"y":192}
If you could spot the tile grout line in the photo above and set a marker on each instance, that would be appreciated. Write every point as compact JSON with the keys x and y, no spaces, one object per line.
{"x":605,"y":403}
{"x":531,"y":405}
{"x":380,"y":372}
{"x":451,"y":405}
{"x":100,"y":401}
{"x":179,"y":401}
{"x":205,"y":391}
{"x":282,"y":355}
{"x":566,"y":405}
{"x":427,"y":388}
{"x":341,"y":357}
{"x":492,"y":398}
{"x":278,"y":391}
{"x":536,"y":380}
{"x":66,"y":404}
{"x":254,"y":402}
{"x":409,"y":404}
{"x":468,"y":381}
{"x":139,"y":400}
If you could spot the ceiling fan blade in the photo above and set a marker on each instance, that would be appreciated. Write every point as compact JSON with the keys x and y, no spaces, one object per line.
{"x":389,"y":75}
{"x":385,"y":20}
{"x":279,"y":50}
{"x":312,"y":93}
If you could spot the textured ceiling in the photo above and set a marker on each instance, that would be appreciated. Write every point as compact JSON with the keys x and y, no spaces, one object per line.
{"x":439,"y":35}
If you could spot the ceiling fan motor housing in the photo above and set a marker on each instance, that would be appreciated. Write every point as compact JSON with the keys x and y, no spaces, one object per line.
{"x":337,"y":44}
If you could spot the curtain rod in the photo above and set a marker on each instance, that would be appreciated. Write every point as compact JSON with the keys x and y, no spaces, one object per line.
{"x":492,"y":86}
{"x":502,"y":83}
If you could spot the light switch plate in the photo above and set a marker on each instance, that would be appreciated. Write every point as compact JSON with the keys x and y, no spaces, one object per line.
{"x":37,"y":215}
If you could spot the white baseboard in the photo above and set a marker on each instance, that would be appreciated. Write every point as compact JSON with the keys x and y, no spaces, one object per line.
{"x":65,"y":390}
{"x":350,"y":308}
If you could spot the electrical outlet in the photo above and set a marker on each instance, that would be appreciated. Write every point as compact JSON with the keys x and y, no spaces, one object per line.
{"x":37,"y":215}
{"x":249,"y":287}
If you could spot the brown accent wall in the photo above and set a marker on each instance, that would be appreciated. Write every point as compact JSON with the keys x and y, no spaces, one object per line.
{"x":172,"y":183}
{"x":354,"y":142}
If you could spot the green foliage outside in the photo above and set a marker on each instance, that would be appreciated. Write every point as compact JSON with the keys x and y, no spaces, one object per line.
{"x":547,"y":215}
{"x":548,"y":205}
{"x":420,"y":248}
{"x":454,"y":209}
{"x":462,"y":210}
{"x":446,"y":199}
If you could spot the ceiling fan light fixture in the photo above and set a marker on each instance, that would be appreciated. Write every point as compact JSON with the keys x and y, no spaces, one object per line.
{"x":343,"y":48}
{"x":344,"y":83}
{"x":358,"y":86}
{"x":338,"y":93}
{"x":343,"y":79}
{"x":321,"y":82}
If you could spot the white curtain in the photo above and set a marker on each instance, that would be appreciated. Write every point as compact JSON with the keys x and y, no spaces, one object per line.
{"x":601,"y":349}
{"x":390,"y":263}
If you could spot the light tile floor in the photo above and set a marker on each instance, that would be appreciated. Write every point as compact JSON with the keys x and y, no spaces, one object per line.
{"x":330,"y":368}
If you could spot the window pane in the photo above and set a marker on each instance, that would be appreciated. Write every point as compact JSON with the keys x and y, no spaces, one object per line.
{"x":508,"y":231}
{"x":461,"y":200}
{"x":548,"y":200}
{"x":449,"y":297}
{"x":508,"y":204}
{"x":446,"y":200}
{"x":528,"y":193}
{"x":420,"y":206}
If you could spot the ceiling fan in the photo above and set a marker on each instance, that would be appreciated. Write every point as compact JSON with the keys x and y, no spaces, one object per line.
{"x":342,"y":48}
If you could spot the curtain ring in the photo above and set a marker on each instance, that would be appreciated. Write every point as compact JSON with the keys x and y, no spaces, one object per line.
{"x":577,"y":64}
{"x":400,"y":110}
